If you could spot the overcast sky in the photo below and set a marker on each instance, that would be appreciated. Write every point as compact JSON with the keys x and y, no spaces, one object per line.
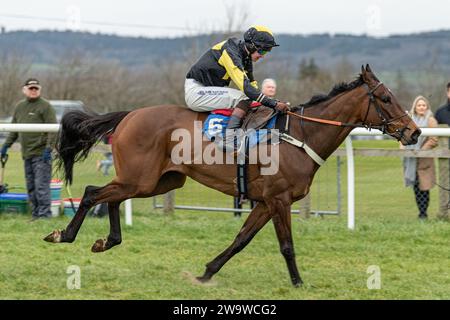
{"x":156,"y":18}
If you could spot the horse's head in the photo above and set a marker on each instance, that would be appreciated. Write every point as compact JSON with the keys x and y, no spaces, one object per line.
{"x":385,"y":112}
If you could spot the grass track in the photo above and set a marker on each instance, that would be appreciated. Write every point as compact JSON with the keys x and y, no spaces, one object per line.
{"x":160,"y":253}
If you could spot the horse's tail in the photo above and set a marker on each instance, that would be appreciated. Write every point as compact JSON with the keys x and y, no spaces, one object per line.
{"x":79,"y":132}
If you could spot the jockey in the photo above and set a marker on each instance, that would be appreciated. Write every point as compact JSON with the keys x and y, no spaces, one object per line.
{"x":206,"y":87}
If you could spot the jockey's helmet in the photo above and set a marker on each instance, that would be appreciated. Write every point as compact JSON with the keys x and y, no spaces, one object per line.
{"x":259,"y":37}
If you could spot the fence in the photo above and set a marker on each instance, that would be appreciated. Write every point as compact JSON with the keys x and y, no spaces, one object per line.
{"x":219,"y":202}
{"x":325,"y":200}
{"x":84,"y":172}
{"x":442,"y":153}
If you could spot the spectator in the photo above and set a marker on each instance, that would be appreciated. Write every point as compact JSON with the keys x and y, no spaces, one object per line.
{"x":419,"y":173}
{"x":443,"y":113}
{"x":36,"y":147}
{"x":108,"y":162}
{"x":268,"y":88}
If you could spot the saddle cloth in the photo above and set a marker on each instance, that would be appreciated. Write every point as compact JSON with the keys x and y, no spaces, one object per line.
{"x":214,"y":127}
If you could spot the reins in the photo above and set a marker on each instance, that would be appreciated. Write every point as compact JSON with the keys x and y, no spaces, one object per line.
{"x":372,"y":100}
{"x":325,"y":121}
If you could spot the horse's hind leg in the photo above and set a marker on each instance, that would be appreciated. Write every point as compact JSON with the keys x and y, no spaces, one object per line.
{"x":112,"y":192}
{"x":115,"y":235}
{"x":255,"y":221}
{"x":169,"y":181}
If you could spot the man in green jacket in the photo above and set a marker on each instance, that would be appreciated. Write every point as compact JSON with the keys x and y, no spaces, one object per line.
{"x":36,"y":147}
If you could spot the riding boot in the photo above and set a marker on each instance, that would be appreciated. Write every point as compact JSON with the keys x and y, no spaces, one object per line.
{"x":234,"y":123}
{"x":239,"y":112}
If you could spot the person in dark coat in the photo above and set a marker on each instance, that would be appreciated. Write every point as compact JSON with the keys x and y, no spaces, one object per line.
{"x":36,"y":147}
{"x":443,"y":112}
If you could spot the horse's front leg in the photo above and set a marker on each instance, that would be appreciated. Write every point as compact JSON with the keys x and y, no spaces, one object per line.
{"x":282,"y":223}
{"x":255,"y":221}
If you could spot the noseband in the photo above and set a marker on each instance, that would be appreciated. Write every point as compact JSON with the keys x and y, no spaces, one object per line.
{"x":383,"y":127}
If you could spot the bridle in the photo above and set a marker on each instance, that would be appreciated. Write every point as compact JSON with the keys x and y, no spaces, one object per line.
{"x":373,"y":100}
{"x":385,"y":123}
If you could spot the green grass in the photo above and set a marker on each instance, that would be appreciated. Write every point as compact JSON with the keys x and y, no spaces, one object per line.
{"x":160,"y":254}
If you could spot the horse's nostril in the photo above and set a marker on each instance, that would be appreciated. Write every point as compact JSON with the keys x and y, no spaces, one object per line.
{"x":415,"y":136}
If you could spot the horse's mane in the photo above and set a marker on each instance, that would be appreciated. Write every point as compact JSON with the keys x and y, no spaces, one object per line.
{"x":337,"y":89}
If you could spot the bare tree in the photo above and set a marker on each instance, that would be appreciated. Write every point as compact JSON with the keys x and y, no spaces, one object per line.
{"x":13,"y":69}
{"x":237,"y":16}
{"x":344,"y":71}
{"x":402,"y":90}
{"x":171,"y":84}
{"x":67,"y":79}
{"x":431,"y":81}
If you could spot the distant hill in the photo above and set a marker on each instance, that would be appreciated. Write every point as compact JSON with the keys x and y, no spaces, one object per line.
{"x":402,"y":52}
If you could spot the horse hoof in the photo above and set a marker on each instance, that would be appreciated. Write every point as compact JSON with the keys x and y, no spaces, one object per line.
{"x":202,"y":279}
{"x":54,"y":237}
{"x":99,"y":245}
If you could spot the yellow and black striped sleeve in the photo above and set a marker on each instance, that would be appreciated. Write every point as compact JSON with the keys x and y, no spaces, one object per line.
{"x":241,"y":80}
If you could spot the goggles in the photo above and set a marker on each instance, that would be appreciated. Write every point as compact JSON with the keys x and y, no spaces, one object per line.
{"x":262,"y":51}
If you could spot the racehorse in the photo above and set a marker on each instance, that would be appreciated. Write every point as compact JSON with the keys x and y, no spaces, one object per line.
{"x":142,"y":158}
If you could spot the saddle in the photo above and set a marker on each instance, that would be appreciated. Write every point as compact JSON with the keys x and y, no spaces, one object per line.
{"x":257,"y":118}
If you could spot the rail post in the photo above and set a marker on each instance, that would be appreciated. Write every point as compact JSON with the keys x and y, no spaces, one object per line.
{"x":305,"y":206}
{"x":169,"y":202}
{"x":444,"y":180}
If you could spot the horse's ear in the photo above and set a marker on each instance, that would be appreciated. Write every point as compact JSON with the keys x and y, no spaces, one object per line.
{"x":370,"y":73}
{"x":364,"y":74}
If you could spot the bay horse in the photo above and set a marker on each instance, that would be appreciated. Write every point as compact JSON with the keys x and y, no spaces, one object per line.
{"x":142,"y":158}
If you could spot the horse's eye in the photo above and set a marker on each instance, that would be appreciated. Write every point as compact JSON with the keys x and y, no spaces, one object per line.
{"x":386,"y":99}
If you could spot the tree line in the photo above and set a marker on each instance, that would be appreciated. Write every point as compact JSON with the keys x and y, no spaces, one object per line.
{"x":106,"y":85}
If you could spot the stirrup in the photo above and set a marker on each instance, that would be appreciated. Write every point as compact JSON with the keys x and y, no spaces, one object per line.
{"x":231,"y":141}
{"x":234,"y":123}
{"x":242,"y":199}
